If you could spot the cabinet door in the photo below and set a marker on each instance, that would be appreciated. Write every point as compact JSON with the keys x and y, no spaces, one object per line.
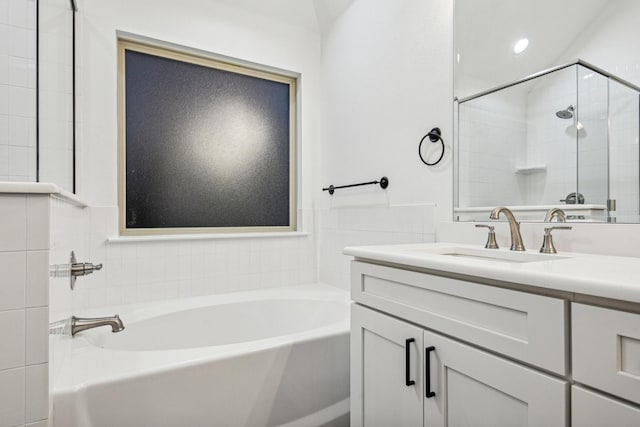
{"x":475,"y":388}
{"x":386,"y":370}
{"x":589,"y":409}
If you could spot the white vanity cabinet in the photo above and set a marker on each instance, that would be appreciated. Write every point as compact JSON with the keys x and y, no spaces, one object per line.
{"x":500,"y":338}
{"x":470,"y":386}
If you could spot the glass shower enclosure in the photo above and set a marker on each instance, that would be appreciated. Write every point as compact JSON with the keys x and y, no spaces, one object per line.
{"x":565,"y":137}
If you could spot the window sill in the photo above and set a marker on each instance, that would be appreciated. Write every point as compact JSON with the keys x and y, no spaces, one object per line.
{"x":222,"y":236}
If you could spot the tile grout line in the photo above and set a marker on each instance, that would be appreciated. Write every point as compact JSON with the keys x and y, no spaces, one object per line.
{"x":24,"y":415}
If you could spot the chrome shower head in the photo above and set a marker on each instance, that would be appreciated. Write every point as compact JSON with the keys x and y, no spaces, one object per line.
{"x":567,"y":113}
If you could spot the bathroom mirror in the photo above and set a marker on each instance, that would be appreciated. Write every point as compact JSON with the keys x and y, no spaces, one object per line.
{"x":570,"y":131}
{"x":56,"y":122}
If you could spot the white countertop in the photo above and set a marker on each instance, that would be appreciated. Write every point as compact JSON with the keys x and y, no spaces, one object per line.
{"x":598,"y":275}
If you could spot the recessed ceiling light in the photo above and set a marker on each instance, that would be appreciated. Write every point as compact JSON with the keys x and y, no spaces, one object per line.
{"x":521,"y":45}
{"x":458,"y":57}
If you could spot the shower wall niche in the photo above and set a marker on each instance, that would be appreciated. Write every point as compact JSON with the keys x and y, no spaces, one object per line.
{"x":566,"y":137}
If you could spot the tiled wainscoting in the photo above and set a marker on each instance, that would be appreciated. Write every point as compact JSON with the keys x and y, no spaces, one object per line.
{"x":39,"y":230}
{"x":349,"y":226}
{"x":24,"y":261}
{"x":143,"y":271}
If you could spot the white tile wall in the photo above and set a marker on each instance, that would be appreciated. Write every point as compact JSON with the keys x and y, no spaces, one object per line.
{"x":547,"y":134}
{"x":56,"y":92}
{"x":148,"y":271}
{"x":36,"y":392}
{"x":13,"y":338}
{"x":12,"y":293}
{"x":13,"y":227}
{"x":492,"y":143}
{"x":24,"y":254}
{"x":12,"y":396}
{"x":17,"y":90}
{"x":350,"y":226}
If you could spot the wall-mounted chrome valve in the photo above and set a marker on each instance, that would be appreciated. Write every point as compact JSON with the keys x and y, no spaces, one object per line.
{"x":547,"y":242}
{"x":491,"y":238}
{"x":81,"y":269}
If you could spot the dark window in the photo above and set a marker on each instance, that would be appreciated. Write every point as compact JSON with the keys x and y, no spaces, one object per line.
{"x":207,"y":145}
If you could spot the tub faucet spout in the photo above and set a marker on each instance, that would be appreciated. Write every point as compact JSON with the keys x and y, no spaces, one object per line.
{"x":79,"y":324}
{"x":514,"y":227}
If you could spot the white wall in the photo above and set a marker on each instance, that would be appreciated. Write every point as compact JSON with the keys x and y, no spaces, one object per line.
{"x":136,"y":272}
{"x":18,"y":90}
{"x":387,"y":80}
{"x":610,"y":42}
{"x":368,"y":225}
{"x":212,"y":26}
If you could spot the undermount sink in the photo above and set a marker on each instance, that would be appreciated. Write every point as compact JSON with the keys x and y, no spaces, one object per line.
{"x":487,"y":254}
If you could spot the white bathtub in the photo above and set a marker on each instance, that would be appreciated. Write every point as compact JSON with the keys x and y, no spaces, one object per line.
{"x":277,"y":357}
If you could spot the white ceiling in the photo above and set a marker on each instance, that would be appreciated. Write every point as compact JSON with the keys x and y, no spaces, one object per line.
{"x":486,"y":31}
{"x":314,"y":15}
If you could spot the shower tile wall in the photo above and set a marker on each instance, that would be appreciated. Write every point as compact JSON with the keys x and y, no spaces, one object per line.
{"x":550,"y":140}
{"x":150,"y":271}
{"x":24,"y":261}
{"x":494,"y":134}
{"x":17,"y":90}
{"x":350,"y":226}
{"x":593,"y":139}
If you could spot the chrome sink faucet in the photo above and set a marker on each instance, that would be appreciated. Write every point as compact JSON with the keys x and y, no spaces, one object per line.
{"x":79,"y":324}
{"x":514,"y":227}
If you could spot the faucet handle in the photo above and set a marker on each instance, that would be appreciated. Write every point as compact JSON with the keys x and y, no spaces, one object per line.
{"x":547,"y":241}
{"x":78,"y":269}
{"x":491,"y":238}
{"x":547,"y":230}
